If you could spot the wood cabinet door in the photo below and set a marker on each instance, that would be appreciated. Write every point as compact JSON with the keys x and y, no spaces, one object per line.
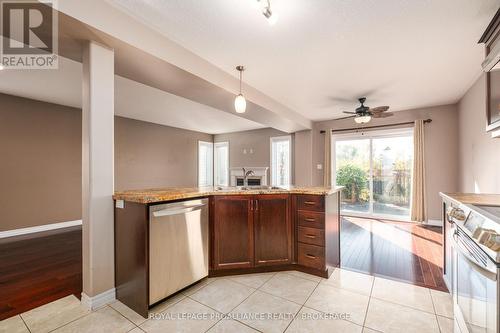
{"x":273,"y":230}
{"x":233,"y":232}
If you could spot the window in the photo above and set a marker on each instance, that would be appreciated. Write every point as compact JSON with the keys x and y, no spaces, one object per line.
{"x":205,"y":163}
{"x":376,"y":170}
{"x":221,"y":164}
{"x":281,"y":151}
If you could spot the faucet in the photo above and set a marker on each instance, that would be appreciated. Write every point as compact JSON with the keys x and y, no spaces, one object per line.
{"x":245,"y":176}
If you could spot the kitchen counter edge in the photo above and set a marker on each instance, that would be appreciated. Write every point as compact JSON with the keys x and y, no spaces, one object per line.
{"x":150,"y":196}
{"x":473,"y":198}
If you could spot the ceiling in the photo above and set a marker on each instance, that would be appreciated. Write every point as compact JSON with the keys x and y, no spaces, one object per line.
{"x":132,"y":99}
{"x":322,"y":55}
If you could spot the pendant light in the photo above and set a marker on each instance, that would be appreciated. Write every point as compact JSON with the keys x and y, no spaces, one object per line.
{"x":240,"y":104}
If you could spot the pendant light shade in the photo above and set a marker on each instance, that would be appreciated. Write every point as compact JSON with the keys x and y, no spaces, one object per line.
{"x":240,"y":103}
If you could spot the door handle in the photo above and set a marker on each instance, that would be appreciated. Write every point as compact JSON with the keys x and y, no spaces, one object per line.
{"x":256,"y":204}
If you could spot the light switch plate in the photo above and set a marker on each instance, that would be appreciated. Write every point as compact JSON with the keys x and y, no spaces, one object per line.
{"x":319,"y":166}
{"x":120,"y":204}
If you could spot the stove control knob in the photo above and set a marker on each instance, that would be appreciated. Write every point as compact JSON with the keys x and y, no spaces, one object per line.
{"x":488,"y":238}
{"x":457,"y":214}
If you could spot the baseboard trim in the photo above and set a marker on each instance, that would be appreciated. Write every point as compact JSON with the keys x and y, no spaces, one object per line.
{"x":46,"y":227}
{"x":435,"y":223}
{"x":100,"y":300}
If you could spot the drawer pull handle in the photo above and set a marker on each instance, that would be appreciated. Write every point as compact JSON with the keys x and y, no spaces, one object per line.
{"x":310,"y":256}
{"x":310,"y":236}
{"x":308,"y":219}
{"x":309,"y":202}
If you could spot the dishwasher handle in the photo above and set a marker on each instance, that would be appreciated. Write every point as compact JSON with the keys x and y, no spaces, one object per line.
{"x":177,"y":211}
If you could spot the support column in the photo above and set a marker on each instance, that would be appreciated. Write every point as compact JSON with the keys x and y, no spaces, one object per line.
{"x":97,"y":177}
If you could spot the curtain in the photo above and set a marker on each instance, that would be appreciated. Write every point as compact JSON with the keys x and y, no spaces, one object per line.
{"x":418,"y":204}
{"x":327,"y":173}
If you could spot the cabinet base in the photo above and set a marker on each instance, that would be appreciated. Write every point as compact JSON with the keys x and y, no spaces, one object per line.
{"x":278,"y":268}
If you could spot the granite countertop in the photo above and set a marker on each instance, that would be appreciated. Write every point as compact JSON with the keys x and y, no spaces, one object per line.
{"x":147,"y":196}
{"x":474,"y":198}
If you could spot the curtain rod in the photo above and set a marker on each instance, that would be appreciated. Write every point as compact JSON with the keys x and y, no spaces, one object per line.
{"x":426,"y":121}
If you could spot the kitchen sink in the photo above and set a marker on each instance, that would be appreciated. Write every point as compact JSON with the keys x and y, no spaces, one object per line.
{"x":248,"y":188}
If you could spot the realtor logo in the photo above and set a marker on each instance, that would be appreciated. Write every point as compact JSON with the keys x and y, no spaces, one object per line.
{"x":29,"y":34}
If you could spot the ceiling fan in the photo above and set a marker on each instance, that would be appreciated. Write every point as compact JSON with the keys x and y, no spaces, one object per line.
{"x":363,"y":114}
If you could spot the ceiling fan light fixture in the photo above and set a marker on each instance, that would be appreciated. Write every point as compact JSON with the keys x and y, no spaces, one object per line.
{"x":362,"y":119}
{"x":240,"y":103}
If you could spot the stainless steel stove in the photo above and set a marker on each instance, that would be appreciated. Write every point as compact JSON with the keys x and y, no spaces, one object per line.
{"x":476,"y":266}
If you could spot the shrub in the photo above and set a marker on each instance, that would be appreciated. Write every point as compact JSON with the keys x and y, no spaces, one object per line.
{"x":354,"y":179}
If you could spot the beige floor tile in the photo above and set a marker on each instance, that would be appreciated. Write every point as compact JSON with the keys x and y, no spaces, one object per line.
{"x":252,"y":280}
{"x":266,"y":313}
{"x":136,"y":330}
{"x":369,"y":330}
{"x":185,"y":316}
{"x":13,"y":325}
{"x":222,"y":295}
{"x":393,"y":318}
{"x":309,"y":320}
{"x":104,"y":320}
{"x":230,"y":326}
{"x":443,"y":303}
{"x":288,"y":286}
{"x":304,"y":275}
{"x":445,"y":324}
{"x":128,"y":312}
{"x":353,"y":281}
{"x":339,"y":301}
{"x":403,"y":293}
{"x":53,"y":315}
{"x":167,"y":303}
{"x":197,"y":286}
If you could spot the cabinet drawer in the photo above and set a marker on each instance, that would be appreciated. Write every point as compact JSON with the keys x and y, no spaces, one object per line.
{"x":311,"y":202}
{"x":311,"y":219}
{"x":311,"y":236}
{"x":311,"y":256}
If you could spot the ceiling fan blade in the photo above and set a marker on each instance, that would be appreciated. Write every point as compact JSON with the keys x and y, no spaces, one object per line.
{"x":382,"y":114}
{"x":379,"y":109}
{"x":345,"y":117}
{"x":347,"y":112}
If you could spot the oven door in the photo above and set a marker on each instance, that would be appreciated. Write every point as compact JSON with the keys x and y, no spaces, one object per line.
{"x":476,"y":286}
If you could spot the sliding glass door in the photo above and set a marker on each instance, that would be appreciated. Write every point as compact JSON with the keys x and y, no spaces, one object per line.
{"x":376,"y":170}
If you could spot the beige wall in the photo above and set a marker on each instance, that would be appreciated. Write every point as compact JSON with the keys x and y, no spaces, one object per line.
{"x":151,"y":155}
{"x":441,"y":153}
{"x":41,"y":160}
{"x":479,"y":153}
{"x":258,"y":141}
{"x":41,"y":163}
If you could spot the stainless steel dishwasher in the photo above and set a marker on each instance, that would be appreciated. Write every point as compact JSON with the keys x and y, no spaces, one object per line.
{"x":178,"y":246}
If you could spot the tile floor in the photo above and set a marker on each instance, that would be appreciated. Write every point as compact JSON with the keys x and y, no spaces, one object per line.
{"x":271,"y":302}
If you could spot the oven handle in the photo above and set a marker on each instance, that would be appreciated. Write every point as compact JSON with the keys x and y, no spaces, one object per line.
{"x":490,"y":273}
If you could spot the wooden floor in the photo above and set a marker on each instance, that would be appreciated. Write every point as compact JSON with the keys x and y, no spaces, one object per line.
{"x":39,"y":268}
{"x":397,"y":250}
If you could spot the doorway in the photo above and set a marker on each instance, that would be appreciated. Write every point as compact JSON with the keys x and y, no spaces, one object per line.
{"x":376,"y":170}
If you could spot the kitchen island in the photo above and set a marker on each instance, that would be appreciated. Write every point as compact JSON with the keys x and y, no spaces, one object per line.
{"x":250,"y":230}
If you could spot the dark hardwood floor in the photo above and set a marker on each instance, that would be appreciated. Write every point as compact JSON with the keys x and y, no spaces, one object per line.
{"x":397,"y":250}
{"x":39,"y":268}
